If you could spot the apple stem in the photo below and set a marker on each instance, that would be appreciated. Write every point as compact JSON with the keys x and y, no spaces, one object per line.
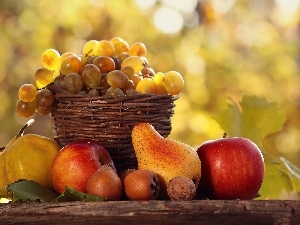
{"x":224,"y":135}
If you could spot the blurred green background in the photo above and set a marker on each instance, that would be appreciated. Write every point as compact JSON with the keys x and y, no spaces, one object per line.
{"x":224,"y":49}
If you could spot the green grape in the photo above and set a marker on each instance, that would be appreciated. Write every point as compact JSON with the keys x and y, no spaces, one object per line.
{"x":120,"y":47}
{"x":159,"y":79}
{"x":71,"y":64}
{"x":44,"y":99}
{"x":103,"y":48}
{"x":73,"y":83}
{"x":138,"y":49}
{"x":88,"y":47}
{"x":104,"y":63}
{"x":114,"y":91}
{"x":146,"y":86}
{"x":136,"y":62}
{"x":117,"y":78}
{"x":43,"y":77}
{"x":27,"y":92}
{"x":50,"y":59}
{"x":25,"y":109}
{"x":173,"y":82}
{"x":91,"y":75}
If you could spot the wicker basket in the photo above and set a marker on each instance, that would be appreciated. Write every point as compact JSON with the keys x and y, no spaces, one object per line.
{"x":109,"y":120}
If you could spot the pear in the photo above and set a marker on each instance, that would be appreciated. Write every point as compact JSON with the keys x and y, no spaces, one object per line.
{"x":27,"y":157}
{"x":166,"y":157}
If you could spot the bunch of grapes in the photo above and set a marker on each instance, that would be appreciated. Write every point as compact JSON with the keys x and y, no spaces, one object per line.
{"x":106,"y":67}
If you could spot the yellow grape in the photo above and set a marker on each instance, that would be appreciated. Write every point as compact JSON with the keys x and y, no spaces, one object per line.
{"x":146,"y":86}
{"x":64,"y":56}
{"x":136,"y":79}
{"x":27,"y":92}
{"x":120,"y":47}
{"x":114,"y":91}
{"x":50,"y":59}
{"x":88,"y":47}
{"x":173,"y":82}
{"x":71,"y":64}
{"x":43,"y":77}
{"x":104,"y":48}
{"x":114,"y":40}
{"x":117,"y":78}
{"x":104,"y":63}
{"x":159,"y":79}
{"x":137,"y":48}
{"x":136,"y":62}
{"x":128,"y":70}
{"x":26,"y":109}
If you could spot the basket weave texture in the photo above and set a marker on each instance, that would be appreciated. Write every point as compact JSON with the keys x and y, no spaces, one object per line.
{"x":110,"y":120}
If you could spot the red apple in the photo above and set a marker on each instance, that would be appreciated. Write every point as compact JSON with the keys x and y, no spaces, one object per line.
{"x":231,"y":168}
{"x":76,"y":162}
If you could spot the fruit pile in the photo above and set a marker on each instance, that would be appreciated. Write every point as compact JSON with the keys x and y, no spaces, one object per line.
{"x":105,"y":67}
{"x":226,"y":168}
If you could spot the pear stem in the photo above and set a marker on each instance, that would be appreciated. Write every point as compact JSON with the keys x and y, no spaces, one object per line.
{"x":21,"y":131}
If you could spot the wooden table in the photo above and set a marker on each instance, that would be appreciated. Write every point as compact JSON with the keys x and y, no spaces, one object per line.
{"x":153,"y":212}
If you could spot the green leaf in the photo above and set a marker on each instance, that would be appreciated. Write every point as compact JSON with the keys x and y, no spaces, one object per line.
{"x":71,"y":195}
{"x":254,"y":118}
{"x":277,"y":179}
{"x":29,"y":190}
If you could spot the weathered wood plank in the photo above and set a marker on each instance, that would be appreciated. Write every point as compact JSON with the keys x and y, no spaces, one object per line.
{"x":153,"y":212}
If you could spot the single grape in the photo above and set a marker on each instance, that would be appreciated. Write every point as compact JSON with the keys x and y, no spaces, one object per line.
{"x":117,"y":62}
{"x":136,"y":62}
{"x":59,"y":81}
{"x":173,"y":82}
{"x":50,"y":59}
{"x":136,"y":79}
{"x":64,"y":56}
{"x":159,"y":79}
{"x":73,"y":83}
{"x":71,"y":64}
{"x":91,"y":75}
{"x":114,"y":91}
{"x":138,"y":49}
{"x":44,"y":110}
{"x":44,"y":98}
{"x":123,"y":56}
{"x":93,"y":92}
{"x":25,"y":109}
{"x":120,"y":47}
{"x":146,"y":86}
{"x":115,"y":40}
{"x":27,"y":92}
{"x":117,"y":78}
{"x":130,"y":85}
{"x":104,"y":63}
{"x":103,"y":48}
{"x":128,"y":70}
{"x":43,"y":77}
{"x":88,"y":47}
